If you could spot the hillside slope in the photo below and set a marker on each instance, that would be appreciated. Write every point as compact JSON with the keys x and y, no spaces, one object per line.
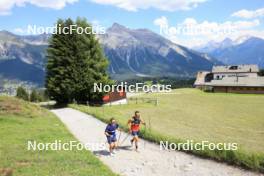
{"x":21,"y":122}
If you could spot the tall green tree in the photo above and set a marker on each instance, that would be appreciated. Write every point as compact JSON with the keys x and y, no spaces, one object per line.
{"x":22,"y":93}
{"x":75,"y":63}
{"x":35,"y":96}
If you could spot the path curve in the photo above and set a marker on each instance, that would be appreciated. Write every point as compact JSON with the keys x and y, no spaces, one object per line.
{"x":150,"y":160}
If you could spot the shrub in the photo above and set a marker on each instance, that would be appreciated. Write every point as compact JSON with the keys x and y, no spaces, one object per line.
{"x":35,"y":96}
{"x":22,"y":94}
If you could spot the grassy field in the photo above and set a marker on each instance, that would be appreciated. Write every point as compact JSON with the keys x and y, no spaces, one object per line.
{"x":21,"y":121}
{"x":191,"y":114}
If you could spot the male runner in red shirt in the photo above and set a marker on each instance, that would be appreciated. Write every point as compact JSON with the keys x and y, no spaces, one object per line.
{"x":134,"y":126}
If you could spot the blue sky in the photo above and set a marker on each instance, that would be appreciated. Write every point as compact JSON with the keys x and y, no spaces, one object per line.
{"x":245,"y":17}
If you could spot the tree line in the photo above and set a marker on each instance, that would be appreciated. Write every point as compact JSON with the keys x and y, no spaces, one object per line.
{"x":34,"y":96}
{"x":174,"y":82}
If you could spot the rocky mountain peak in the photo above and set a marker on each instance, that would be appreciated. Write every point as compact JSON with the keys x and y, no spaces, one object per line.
{"x":117,"y":27}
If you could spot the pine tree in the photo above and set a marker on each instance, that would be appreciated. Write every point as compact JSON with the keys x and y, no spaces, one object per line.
{"x":22,"y":93}
{"x":75,"y":63}
{"x":34,"y":96}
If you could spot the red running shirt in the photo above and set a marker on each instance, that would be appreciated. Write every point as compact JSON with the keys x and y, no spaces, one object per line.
{"x":135,"y":124}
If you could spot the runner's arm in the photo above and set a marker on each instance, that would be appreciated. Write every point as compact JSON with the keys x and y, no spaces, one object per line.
{"x":129,"y":125}
{"x":143,"y":122}
{"x":118,"y":128}
{"x":106,"y":133}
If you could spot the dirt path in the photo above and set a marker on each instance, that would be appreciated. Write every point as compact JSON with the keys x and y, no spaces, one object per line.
{"x":150,"y":160}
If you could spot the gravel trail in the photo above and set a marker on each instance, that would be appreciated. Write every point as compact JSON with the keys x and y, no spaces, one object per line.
{"x":149,"y":161}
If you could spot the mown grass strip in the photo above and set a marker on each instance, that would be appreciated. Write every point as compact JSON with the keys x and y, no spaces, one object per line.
{"x":21,"y":122}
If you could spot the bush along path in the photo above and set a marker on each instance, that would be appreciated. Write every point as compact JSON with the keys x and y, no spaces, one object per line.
{"x":150,"y":160}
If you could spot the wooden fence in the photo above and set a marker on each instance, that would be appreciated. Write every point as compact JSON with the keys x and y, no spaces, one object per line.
{"x":138,"y":100}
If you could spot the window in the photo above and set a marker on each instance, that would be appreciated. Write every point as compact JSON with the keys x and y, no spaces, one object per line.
{"x":233,"y":67}
{"x":209,"y":77}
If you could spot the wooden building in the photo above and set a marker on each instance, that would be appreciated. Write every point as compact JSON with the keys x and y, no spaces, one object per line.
{"x":231,"y":79}
{"x":117,"y":97}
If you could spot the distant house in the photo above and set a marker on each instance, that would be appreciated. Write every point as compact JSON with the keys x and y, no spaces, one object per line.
{"x":115,"y":98}
{"x":233,"y":79}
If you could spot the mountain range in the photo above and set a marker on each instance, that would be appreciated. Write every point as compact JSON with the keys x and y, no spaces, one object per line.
{"x":20,"y":59}
{"x":243,"y":50}
{"x":142,"y":52}
{"x":131,"y":53}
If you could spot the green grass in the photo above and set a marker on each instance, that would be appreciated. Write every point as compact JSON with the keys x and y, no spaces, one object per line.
{"x":195,"y":115}
{"x":20,"y":122}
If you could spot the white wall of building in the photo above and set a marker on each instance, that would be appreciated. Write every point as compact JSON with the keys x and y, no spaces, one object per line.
{"x":220,"y":76}
{"x":118,"y":102}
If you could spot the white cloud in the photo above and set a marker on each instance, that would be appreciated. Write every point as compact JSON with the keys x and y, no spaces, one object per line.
{"x":162,"y":21}
{"x":249,"y":14}
{"x":19,"y":30}
{"x":190,"y":32}
{"x":166,"y":5}
{"x":7,"y":5}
